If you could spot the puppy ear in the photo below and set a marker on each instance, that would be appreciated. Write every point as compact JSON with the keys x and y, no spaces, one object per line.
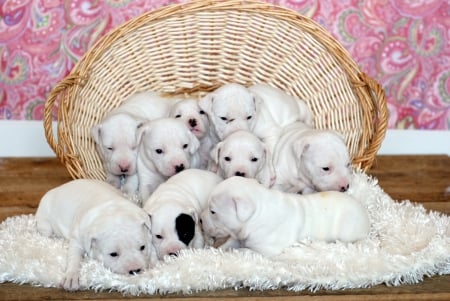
{"x":194,"y":215}
{"x":141,"y":130}
{"x":215,"y":153}
{"x":148,"y":223}
{"x":257,"y":101}
{"x":244,"y":209}
{"x":96,"y":133}
{"x":206,"y":103}
{"x":300,"y":147}
{"x":194,"y":144}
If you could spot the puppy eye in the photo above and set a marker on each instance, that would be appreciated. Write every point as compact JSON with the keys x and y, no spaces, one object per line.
{"x":110,"y":148}
{"x":178,"y":116}
{"x":114,"y":254}
{"x":159,"y":236}
{"x":325,"y":168}
{"x":212,"y":212}
{"x":249,"y":117}
{"x":158,"y":151}
{"x":227,"y":159}
{"x":254,"y":159}
{"x":202,"y":112}
{"x":142,"y":248}
{"x":223,"y":118}
{"x":185,"y":145}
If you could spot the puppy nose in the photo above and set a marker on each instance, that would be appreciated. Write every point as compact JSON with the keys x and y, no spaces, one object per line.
{"x":239,"y":174}
{"x":134,"y":272}
{"x":124,"y":168}
{"x":192,"y":122}
{"x":173,"y":254}
{"x":179,"y":168}
{"x":345,"y":188}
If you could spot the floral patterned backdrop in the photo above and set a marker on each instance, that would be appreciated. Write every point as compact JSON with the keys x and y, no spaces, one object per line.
{"x":403,"y":44}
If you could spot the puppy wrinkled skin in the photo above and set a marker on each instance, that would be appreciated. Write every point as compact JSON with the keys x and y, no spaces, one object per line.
{"x":267,"y":221}
{"x":98,"y":221}
{"x":243,"y":154}
{"x":166,"y":147}
{"x":115,"y":137}
{"x":197,"y":121}
{"x":175,"y":207}
{"x":261,"y":109}
{"x":308,"y":160}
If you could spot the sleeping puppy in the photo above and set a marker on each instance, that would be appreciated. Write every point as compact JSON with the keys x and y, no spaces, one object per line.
{"x":166,"y":147}
{"x":268,"y":221}
{"x":98,"y":221}
{"x":309,"y":160}
{"x":175,"y":207}
{"x":261,"y":109}
{"x":115,"y":137}
{"x":196,"y":120}
{"x":243,"y":154}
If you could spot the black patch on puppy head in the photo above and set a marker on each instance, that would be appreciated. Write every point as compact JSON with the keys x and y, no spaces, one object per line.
{"x":185,"y":227}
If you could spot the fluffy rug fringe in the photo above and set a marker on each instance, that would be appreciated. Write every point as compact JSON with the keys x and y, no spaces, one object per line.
{"x":406,"y":244}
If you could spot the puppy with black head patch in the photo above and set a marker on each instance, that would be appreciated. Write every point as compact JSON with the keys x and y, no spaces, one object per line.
{"x":175,"y":207}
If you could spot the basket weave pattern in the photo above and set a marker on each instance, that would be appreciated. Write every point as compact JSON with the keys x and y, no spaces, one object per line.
{"x":195,"y":47}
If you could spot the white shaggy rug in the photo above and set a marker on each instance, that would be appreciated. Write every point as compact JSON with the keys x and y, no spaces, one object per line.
{"x":406,"y":243}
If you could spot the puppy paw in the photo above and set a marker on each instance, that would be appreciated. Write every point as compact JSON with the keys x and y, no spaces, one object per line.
{"x":71,"y":282}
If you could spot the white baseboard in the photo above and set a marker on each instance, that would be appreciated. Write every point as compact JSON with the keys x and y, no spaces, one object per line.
{"x":27,"y":139}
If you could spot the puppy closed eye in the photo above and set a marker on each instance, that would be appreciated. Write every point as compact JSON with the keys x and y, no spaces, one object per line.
{"x":110,"y":148}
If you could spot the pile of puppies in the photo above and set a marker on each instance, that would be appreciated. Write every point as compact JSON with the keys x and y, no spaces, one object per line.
{"x":239,"y":168}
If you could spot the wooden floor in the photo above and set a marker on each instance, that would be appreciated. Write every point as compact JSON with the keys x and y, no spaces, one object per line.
{"x":424,"y":179}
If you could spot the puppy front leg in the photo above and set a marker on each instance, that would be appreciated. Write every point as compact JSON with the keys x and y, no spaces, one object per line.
{"x":131,"y":184}
{"x":71,"y":281}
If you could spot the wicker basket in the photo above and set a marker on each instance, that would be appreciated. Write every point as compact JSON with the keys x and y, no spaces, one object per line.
{"x":195,"y":47}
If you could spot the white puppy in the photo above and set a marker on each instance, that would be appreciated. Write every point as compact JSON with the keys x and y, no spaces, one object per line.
{"x":197,"y":121}
{"x":115,"y":137}
{"x":175,"y":207}
{"x":166,"y":147}
{"x":243,"y":154}
{"x":267,"y":221}
{"x":308,"y":160}
{"x":261,"y":109}
{"x":99,"y":221}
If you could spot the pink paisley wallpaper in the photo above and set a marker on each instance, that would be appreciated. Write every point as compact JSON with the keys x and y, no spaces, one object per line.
{"x":403,"y":44}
